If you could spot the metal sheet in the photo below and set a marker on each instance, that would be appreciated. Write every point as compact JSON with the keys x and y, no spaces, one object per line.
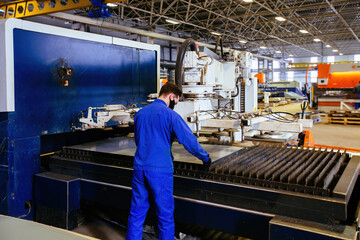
{"x":14,"y":228}
{"x":238,"y":179}
{"x":126,"y":146}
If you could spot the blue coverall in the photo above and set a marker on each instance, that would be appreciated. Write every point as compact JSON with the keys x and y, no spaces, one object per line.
{"x":357,"y":105}
{"x":156,"y":126}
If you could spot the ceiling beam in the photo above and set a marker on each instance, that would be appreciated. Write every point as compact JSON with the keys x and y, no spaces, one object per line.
{"x":121,"y":28}
{"x":343,"y":20}
{"x":254,"y":29}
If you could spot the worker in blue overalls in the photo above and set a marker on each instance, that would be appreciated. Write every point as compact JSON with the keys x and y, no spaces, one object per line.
{"x":155,"y":128}
{"x":357,"y":91}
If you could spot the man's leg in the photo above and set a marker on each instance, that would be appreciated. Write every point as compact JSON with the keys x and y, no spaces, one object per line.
{"x":161,"y":185}
{"x":357,"y":105}
{"x":139,"y":206}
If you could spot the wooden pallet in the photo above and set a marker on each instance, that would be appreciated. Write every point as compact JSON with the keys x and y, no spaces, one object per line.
{"x":344,"y":120}
{"x":345,"y":113}
{"x":272,"y":104}
{"x":276,"y":99}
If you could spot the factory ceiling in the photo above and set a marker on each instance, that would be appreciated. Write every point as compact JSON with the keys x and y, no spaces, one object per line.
{"x":280,"y":28}
{"x":276,"y":28}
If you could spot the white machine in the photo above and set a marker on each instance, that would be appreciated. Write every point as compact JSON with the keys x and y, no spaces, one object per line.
{"x":116,"y":112}
{"x":219,"y":93}
{"x":215,"y":87}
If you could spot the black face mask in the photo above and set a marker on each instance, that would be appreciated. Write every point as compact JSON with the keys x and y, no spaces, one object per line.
{"x":172,"y":104}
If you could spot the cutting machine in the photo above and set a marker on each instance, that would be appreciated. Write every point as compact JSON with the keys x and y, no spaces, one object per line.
{"x":212,"y":84}
{"x":335,"y":82}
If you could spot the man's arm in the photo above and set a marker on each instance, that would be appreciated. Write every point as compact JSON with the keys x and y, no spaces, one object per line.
{"x":186,"y":137}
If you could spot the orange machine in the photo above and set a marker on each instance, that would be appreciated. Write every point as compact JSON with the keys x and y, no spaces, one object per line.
{"x":260,"y":77}
{"x":338,"y":76}
{"x":306,"y":139}
{"x":335,"y":82}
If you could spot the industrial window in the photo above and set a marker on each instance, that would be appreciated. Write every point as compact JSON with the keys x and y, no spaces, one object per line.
{"x":254,"y":64}
{"x":330,"y":59}
{"x":276,"y":64}
{"x":357,"y":57}
{"x":290,"y":76}
{"x":313,"y":75}
{"x":313,"y":59}
{"x":276,"y":77}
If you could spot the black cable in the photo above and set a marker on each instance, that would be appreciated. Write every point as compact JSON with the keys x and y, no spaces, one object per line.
{"x":278,"y":116}
{"x":180,"y":59}
{"x":208,"y":112}
{"x":219,"y":40}
{"x":237,"y":86}
{"x":29,"y":206}
{"x":304,"y":105}
{"x":2,"y":145}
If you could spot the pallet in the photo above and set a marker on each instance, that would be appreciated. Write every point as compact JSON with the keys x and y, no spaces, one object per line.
{"x":344,"y":120}
{"x":272,"y":104}
{"x":276,"y":99}
{"x":344,"y":113}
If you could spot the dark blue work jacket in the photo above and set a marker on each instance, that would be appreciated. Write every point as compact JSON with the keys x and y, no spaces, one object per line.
{"x":156,"y":126}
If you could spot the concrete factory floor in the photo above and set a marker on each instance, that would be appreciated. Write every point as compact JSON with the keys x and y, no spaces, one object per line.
{"x":97,"y":228}
{"x":337,"y":135}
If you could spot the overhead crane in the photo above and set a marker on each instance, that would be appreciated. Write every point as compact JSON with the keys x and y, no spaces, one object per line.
{"x":30,"y":8}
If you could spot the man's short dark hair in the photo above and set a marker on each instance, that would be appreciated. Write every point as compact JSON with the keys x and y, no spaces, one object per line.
{"x":170,"y":88}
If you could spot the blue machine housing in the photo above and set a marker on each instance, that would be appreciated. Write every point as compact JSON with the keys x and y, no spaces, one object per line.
{"x":44,"y":106}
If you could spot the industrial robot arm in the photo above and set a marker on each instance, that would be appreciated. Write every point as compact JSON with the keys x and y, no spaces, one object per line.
{"x":116,"y":112}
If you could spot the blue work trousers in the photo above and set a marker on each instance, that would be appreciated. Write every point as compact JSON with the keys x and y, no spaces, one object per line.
{"x":357,"y":105}
{"x":159,"y":186}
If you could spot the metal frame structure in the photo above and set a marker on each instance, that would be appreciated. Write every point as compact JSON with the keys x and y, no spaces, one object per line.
{"x":335,"y":23}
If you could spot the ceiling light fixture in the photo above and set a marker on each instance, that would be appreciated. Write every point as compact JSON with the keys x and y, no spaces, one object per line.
{"x":335,"y":50}
{"x":263,"y":47}
{"x":327,"y":45}
{"x":281,"y":19}
{"x":111,"y":5}
{"x":317,"y":40}
{"x":243,"y":41}
{"x":303,"y":31}
{"x":171,"y":21}
{"x":216,"y":33}
{"x":278,"y":51}
{"x":341,"y":54}
{"x":291,"y":55}
{"x":248,"y":1}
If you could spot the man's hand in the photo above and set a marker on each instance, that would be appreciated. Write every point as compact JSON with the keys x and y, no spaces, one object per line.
{"x":207,"y":166}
